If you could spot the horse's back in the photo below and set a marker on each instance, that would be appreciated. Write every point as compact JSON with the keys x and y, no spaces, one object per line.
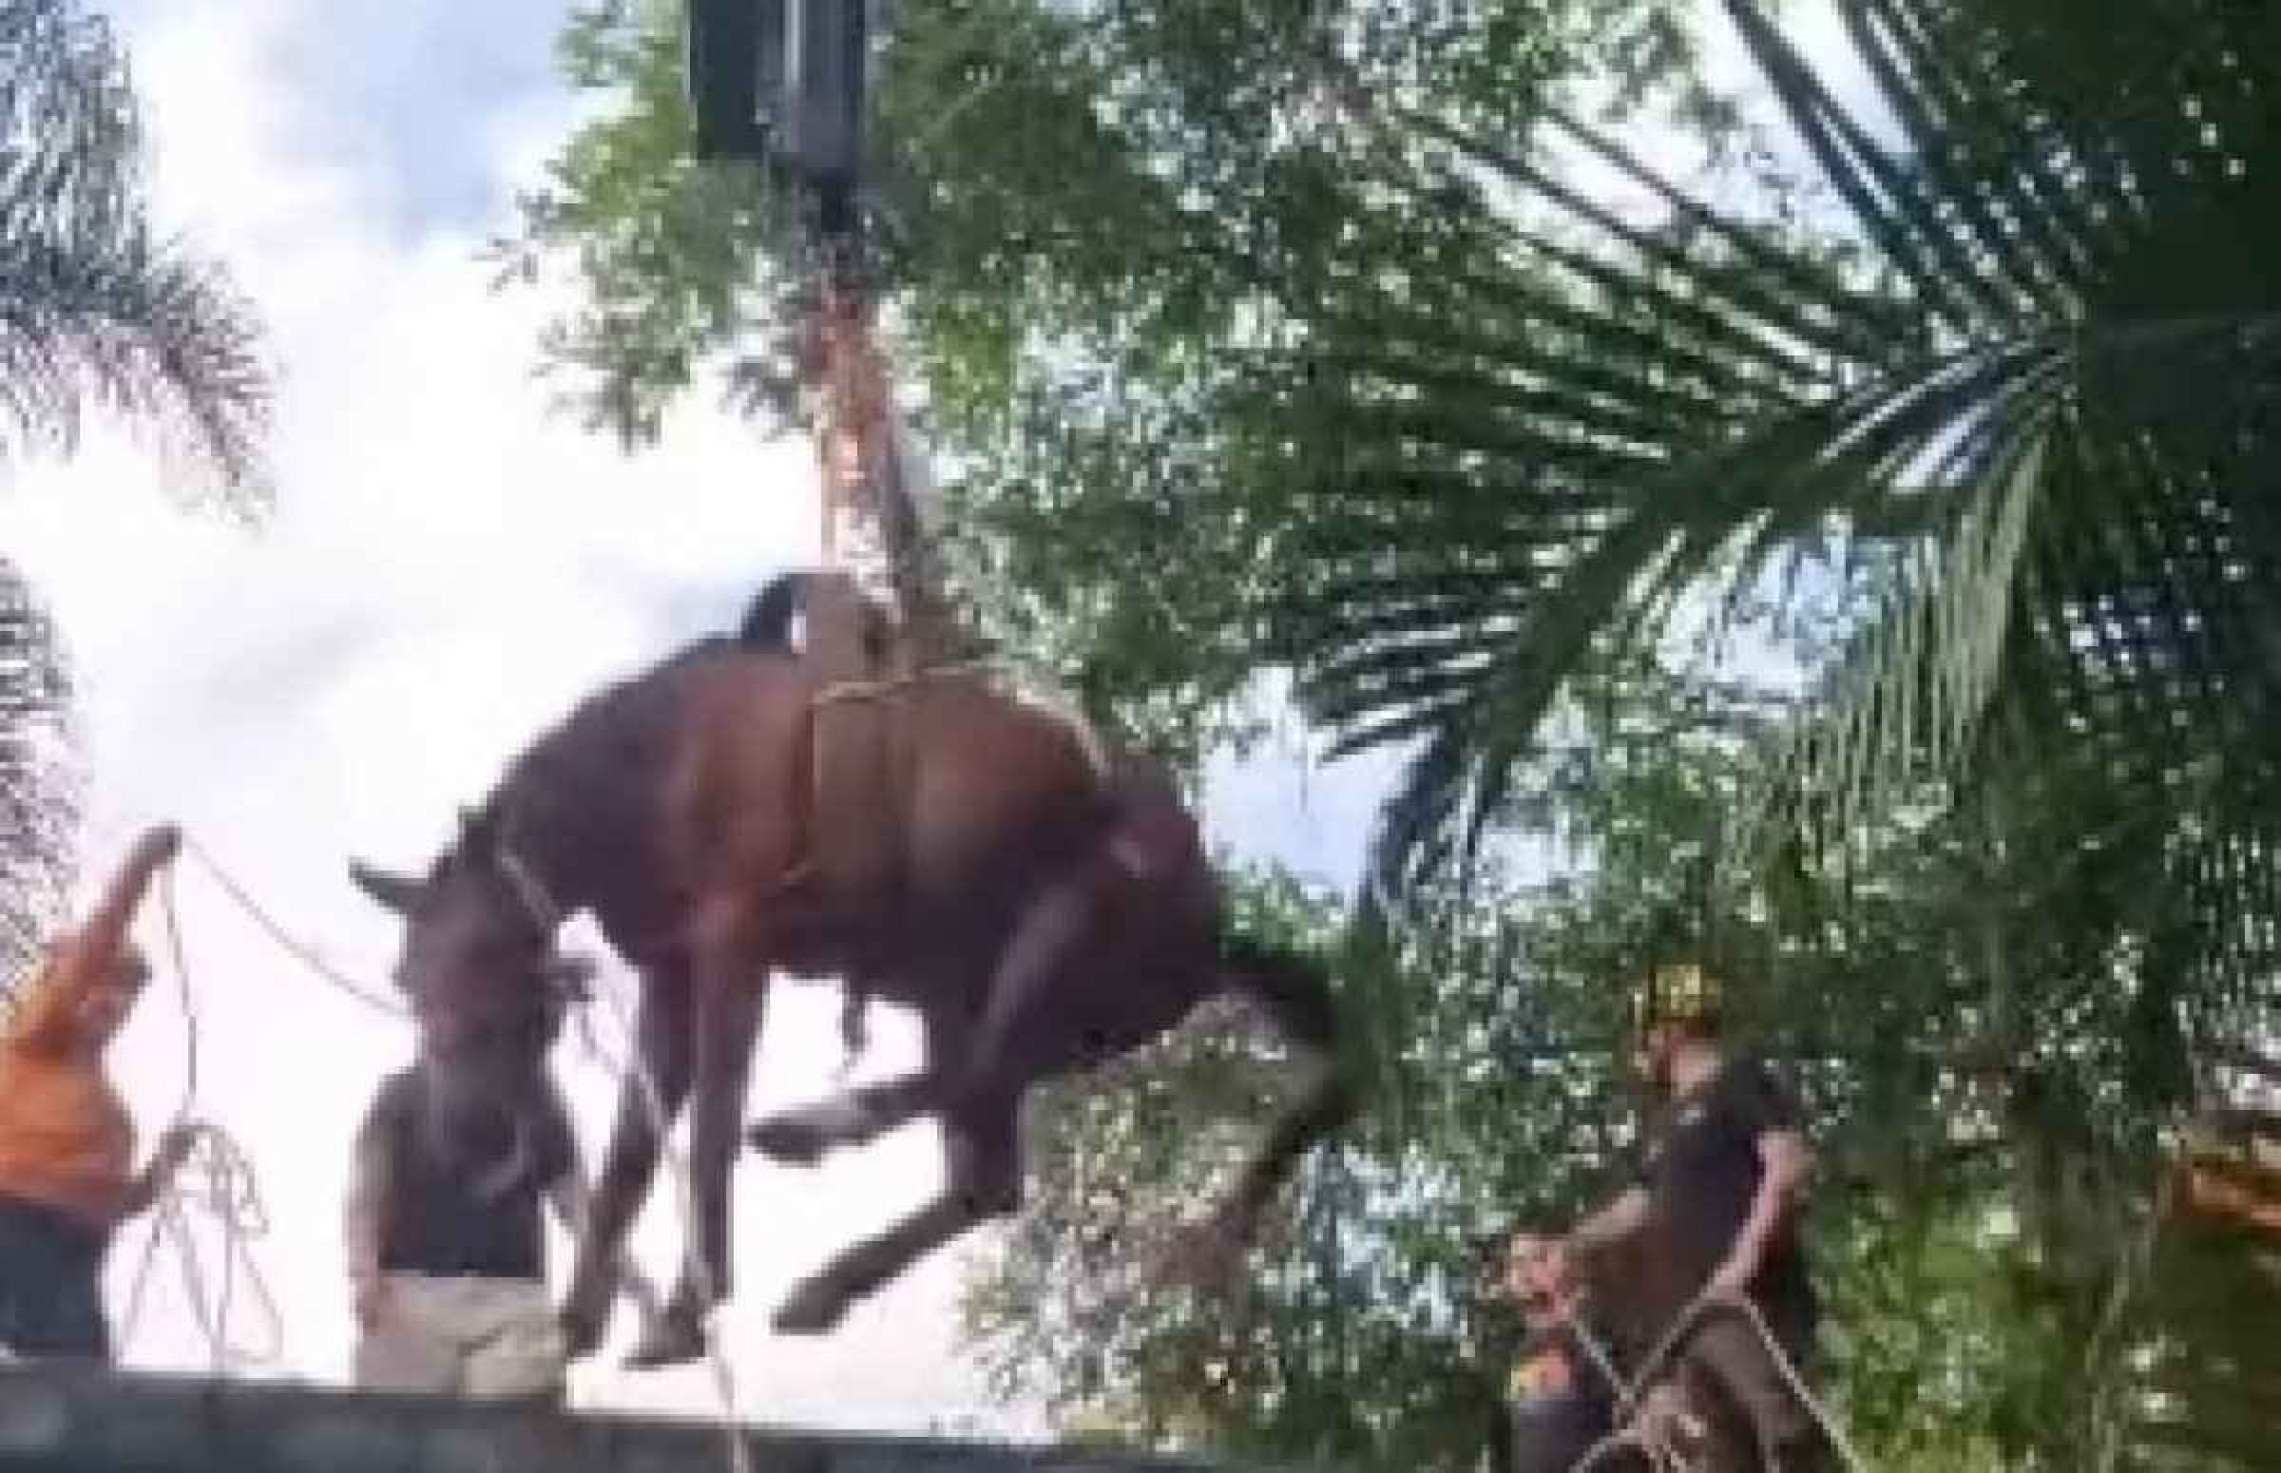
{"x":732,"y":803}
{"x":979,"y":791}
{"x":995,"y":782}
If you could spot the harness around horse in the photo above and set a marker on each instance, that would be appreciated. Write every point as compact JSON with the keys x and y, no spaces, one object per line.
{"x":860,"y":768}
{"x":862,"y":749}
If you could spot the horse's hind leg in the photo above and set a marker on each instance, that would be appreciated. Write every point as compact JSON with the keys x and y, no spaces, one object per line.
{"x":854,"y":1117}
{"x":1023,"y":1035}
{"x":662,"y":1045}
{"x":1297,"y":998}
{"x":984,"y":1180}
{"x":1027,"y":1032}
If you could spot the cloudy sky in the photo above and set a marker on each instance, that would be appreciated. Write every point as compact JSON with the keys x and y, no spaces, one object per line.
{"x":449,"y":567}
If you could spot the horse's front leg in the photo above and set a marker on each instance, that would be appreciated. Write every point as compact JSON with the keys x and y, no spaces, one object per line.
{"x":662,"y":1048}
{"x":729,"y":984}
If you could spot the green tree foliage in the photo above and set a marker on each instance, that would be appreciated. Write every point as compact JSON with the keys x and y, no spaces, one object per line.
{"x":98,"y":311}
{"x":1984,"y":403}
{"x":2005,"y":1280}
{"x":1093,"y":218}
{"x":1306,"y":300}
{"x":38,"y":787}
{"x":97,"y":308}
{"x":1499,"y":1097}
{"x":1434,"y":390}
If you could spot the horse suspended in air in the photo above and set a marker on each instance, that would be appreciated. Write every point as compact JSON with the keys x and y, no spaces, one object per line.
{"x":1041,"y":901}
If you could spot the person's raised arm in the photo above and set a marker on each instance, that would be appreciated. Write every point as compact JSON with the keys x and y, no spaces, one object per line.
{"x":85,"y":957}
{"x":106,"y":927}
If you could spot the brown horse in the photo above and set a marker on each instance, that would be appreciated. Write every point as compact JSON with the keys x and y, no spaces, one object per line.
{"x":1045,"y":910}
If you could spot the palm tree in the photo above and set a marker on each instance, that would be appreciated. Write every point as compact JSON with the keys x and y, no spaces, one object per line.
{"x":2039,"y":401}
{"x":2025,"y":405}
{"x":97,"y":311}
{"x":37,"y":791}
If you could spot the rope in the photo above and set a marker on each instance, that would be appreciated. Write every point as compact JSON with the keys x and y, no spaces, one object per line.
{"x":232,"y":1196}
{"x":631,"y":1065}
{"x":1632,"y":1394}
{"x":189,"y":1009}
{"x":873,"y":690}
{"x":297,"y":949}
{"x":1650,"y":1437}
{"x":227,"y":1192}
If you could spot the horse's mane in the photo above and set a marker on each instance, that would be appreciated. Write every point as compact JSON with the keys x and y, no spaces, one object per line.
{"x":767,"y":622}
{"x":583,"y":785}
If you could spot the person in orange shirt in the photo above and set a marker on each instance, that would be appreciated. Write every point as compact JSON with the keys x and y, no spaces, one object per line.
{"x":67,"y":1177}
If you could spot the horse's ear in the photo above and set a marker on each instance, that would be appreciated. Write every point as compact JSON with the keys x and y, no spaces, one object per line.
{"x":395,"y":892}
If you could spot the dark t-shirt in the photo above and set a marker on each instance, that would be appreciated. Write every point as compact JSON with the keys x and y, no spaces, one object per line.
{"x":1556,"y":1405}
{"x":436,"y":1218}
{"x":1701,"y":1170}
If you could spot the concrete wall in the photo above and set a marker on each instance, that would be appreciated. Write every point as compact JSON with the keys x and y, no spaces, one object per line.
{"x":56,"y":1418}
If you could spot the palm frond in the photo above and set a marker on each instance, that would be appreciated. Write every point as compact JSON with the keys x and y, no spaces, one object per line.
{"x":96,"y":309}
{"x":38,"y":780}
{"x":2037,"y":404}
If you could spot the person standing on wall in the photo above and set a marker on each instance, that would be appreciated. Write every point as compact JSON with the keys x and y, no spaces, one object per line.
{"x":1715,"y":1212}
{"x":445,"y":1223}
{"x":67,"y":1143}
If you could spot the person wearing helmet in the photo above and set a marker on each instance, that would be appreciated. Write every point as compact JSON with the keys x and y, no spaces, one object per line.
{"x":1714,"y":1212}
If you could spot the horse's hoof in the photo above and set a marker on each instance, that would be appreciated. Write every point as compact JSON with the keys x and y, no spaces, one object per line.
{"x":791,"y":1139}
{"x":582,"y":1323}
{"x":673,"y":1338}
{"x":815,"y":1308}
{"x":579,"y":1336}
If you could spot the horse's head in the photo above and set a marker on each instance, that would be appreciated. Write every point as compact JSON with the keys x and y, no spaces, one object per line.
{"x":487,"y":987}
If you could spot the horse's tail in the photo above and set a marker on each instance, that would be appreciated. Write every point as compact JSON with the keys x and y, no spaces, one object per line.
{"x":1295,"y":990}
{"x":768,"y":618}
{"x":1293,"y":987}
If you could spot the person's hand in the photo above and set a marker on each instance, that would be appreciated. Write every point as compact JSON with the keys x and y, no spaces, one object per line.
{"x":1731,"y":1279}
{"x":159,"y":845}
{"x":368,"y":1296}
{"x":175,"y":1146}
